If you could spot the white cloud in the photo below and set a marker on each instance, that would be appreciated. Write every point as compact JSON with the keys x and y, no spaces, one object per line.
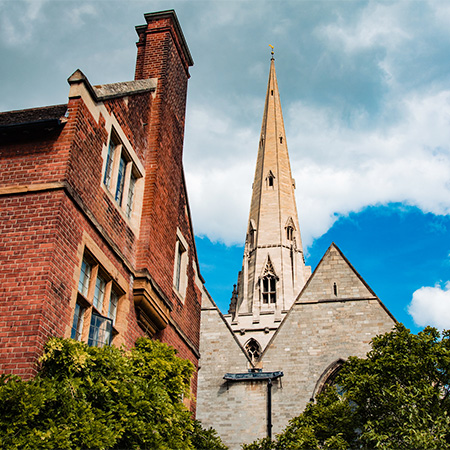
{"x":77,"y":14}
{"x":219,"y":164}
{"x":341,"y":169}
{"x":338,"y":169}
{"x":377,"y":25}
{"x":18,"y":20}
{"x":431,"y":306}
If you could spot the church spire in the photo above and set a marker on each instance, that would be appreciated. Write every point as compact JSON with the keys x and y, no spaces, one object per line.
{"x":273,"y":270}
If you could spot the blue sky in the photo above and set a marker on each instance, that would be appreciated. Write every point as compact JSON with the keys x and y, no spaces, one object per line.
{"x":365,"y":89}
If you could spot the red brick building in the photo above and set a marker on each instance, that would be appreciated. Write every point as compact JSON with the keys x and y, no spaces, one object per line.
{"x":96,"y":237}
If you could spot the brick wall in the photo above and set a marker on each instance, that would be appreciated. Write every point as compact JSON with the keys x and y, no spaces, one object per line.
{"x":52,"y":202}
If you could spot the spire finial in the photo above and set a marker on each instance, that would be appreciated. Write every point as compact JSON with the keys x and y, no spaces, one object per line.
{"x":271,"y":46}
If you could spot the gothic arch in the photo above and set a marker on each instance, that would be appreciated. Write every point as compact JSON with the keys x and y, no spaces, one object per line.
{"x":253,"y":349}
{"x":290,"y":228}
{"x":270,"y":179}
{"x":328,"y":376}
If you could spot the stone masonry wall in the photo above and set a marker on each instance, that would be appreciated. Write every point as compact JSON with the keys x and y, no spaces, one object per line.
{"x":319,"y":330}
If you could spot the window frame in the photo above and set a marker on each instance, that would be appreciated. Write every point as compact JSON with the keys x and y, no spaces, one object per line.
{"x":253,"y":349}
{"x":122,"y":172}
{"x":180,"y":269}
{"x":269,"y":289}
{"x":92,"y":312}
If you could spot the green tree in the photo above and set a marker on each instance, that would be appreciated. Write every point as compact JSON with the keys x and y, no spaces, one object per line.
{"x":396,"y":398}
{"x":102,"y":398}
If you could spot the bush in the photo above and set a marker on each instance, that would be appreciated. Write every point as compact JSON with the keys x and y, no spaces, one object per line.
{"x":102,"y":398}
{"x":396,"y":398}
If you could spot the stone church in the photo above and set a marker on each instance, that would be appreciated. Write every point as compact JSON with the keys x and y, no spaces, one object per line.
{"x":287,"y":331}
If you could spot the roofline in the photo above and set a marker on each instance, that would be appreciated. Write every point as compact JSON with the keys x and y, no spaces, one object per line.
{"x":79,"y":77}
{"x":227,"y":325}
{"x":32,"y":123}
{"x":341,"y":300}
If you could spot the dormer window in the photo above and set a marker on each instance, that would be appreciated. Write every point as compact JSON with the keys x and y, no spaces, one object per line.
{"x":290,"y":233}
{"x":270,"y":179}
{"x":290,"y":228}
{"x":269,"y":289}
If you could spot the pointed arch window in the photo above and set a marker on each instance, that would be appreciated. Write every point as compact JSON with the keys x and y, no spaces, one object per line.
{"x":328,"y":377}
{"x":253,"y":350}
{"x":251,"y":235}
{"x":270,"y":179}
{"x":268,"y":283}
{"x":269,"y":289}
{"x":290,"y":228}
{"x":289,"y":233}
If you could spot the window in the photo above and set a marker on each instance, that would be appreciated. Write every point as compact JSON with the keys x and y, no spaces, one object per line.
{"x":77,"y":322}
{"x":120,"y":180}
{"x":290,"y":228}
{"x":99,"y":293}
{"x":335,"y":289}
{"x":130,"y":197}
{"x":109,"y":163}
{"x":96,"y":306}
{"x":269,"y":286}
{"x":85,"y":276}
{"x":179,"y":258}
{"x":328,"y":378}
{"x":100,"y":331}
{"x":121,"y":175}
{"x":253,"y":350}
{"x":270,"y":179}
{"x":289,"y":233}
{"x":252,"y":235}
{"x":180,"y":265}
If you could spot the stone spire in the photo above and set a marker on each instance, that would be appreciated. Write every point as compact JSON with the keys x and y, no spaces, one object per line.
{"x":273,"y":269}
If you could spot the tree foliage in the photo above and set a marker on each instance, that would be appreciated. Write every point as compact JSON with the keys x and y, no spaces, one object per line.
{"x":396,"y":398}
{"x":102,"y":398}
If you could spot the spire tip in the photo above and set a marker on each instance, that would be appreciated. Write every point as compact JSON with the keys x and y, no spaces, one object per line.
{"x":271,"y":52}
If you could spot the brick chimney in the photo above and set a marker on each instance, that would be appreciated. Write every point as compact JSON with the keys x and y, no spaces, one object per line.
{"x":158,"y":40}
{"x":163,"y":55}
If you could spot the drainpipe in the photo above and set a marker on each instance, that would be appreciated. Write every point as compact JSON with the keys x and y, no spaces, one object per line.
{"x":259,"y":375}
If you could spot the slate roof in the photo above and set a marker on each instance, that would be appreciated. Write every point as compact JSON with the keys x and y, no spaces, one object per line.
{"x":32,"y":116}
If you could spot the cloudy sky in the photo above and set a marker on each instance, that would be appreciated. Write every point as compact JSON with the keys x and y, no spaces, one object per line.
{"x":365,"y":89}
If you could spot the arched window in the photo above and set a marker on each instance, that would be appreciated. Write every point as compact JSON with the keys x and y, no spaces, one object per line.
{"x":251,"y":235}
{"x":328,"y":377}
{"x":253,"y":350}
{"x":270,"y":179}
{"x":290,"y":228}
{"x":290,"y":233}
{"x":269,"y":289}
